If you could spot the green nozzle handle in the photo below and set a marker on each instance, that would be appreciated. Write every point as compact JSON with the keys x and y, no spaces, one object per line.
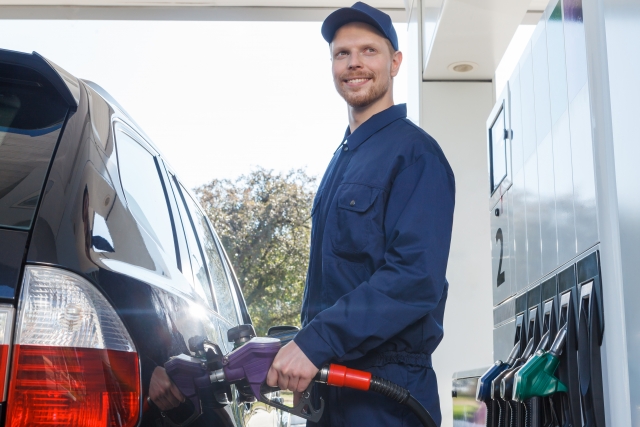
{"x":536,"y":377}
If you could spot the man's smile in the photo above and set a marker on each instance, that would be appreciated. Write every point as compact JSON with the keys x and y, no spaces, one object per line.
{"x":357,"y":81}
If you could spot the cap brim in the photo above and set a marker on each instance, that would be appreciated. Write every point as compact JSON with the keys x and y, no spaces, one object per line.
{"x":344,"y":16}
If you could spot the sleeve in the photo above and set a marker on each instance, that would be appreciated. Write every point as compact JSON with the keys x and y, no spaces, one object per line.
{"x":411,"y":282}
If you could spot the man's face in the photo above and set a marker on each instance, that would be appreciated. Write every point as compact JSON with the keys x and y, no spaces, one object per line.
{"x":363,"y":64}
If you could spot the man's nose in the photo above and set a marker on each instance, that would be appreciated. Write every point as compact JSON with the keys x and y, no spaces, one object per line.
{"x":354,"y":61}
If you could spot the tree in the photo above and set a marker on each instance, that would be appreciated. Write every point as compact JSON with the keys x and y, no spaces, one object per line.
{"x":264,"y":222}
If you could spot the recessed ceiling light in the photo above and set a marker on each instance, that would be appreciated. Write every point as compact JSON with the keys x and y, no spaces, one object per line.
{"x":463,"y":67}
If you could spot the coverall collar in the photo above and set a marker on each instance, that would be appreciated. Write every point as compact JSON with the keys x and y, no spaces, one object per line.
{"x":374,"y":124}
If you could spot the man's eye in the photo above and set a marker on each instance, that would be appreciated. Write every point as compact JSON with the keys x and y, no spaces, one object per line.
{"x":370,"y":50}
{"x":341,"y":54}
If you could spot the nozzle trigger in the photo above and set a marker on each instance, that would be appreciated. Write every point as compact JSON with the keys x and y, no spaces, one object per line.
{"x":304,"y":408}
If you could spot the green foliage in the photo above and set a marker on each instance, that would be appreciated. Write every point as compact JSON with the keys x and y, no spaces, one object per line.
{"x":264,"y":222}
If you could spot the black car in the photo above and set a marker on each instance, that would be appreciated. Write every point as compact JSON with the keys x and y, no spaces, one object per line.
{"x":108,"y":266}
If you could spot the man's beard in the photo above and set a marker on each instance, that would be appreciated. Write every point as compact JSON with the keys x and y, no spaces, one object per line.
{"x":362,"y":98}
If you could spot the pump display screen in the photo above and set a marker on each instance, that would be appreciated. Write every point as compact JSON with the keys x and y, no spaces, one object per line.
{"x":497,"y":151}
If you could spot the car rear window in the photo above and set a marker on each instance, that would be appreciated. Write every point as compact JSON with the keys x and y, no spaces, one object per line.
{"x":31,"y":116}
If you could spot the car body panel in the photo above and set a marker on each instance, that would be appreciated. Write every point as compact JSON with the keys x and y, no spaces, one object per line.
{"x":86,"y":224}
{"x":12,"y":246}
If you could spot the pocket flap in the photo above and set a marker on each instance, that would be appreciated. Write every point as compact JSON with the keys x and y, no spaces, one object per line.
{"x":356,"y":197}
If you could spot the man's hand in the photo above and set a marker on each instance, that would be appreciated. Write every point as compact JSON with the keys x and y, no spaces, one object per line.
{"x":163,"y":392}
{"x":291,"y":369}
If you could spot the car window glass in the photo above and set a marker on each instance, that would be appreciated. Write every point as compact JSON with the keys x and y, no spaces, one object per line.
{"x":226,"y":304}
{"x":200,"y":278}
{"x":144,"y":193}
{"x":233,"y":283}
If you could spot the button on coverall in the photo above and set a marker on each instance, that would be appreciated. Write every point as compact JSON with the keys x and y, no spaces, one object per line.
{"x":376,"y":288}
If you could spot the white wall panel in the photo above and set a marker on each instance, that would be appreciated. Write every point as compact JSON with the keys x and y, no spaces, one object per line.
{"x":455,"y":114}
{"x":563,"y":175}
{"x":622,"y":21}
{"x":583,"y":171}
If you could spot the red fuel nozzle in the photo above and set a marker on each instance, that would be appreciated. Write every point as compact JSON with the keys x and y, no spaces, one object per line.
{"x":341,"y":376}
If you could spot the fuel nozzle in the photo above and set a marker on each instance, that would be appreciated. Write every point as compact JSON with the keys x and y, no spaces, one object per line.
{"x":506,"y":383}
{"x":536,"y":378}
{"x":483,"y":390}
{"x":558,"y":343}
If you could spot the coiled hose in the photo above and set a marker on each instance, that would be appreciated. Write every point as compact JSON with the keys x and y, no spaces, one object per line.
{"x":502,"y":412}
{"x":532,"y":417}
{"x":514,"y":411}
{"x":491,"y":407}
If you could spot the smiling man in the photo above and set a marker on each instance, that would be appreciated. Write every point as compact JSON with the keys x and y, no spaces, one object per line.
{"x":381,"y":231}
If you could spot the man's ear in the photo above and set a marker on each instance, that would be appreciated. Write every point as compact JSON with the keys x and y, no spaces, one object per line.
{"x":396,"y":60}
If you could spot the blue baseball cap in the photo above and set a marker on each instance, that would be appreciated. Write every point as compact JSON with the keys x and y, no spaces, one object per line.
{"x":360,"y":12}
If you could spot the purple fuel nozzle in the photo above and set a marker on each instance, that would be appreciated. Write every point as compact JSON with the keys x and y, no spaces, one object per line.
{"x":251,"y":362}
{"x":188,"y":373}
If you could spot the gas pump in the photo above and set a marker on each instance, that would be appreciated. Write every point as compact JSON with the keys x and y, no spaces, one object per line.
{"x":510,"y":414}
{"x":549,"y":291}
{"x":500,"y":413}
{"x":517,"y":410}
{"x":590,"y":334}
{"x":569,"y":411}
{"x":483,"y":391}
{"x":536,"y":380}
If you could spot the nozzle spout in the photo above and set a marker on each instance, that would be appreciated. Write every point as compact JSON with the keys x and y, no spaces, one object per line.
{"x":323,"y":375}
{"x":544,"y":342}
{"x":217,"y":376}
{"x":528,"y":350}
{"x":515,"y":352}
{"x":558,"y":343}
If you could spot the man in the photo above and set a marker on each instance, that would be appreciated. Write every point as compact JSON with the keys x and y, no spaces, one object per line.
{"x":381,"y":230}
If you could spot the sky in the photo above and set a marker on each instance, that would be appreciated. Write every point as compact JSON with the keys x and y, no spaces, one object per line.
{"x":217,"y":98}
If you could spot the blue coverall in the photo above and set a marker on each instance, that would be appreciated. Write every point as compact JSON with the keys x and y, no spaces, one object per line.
{"x":376,"y":288}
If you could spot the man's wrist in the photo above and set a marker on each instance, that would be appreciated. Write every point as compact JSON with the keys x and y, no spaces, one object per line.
{"x":314,"y":346}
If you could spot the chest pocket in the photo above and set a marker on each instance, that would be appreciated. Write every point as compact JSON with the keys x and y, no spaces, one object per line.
{"x":355,"y":212}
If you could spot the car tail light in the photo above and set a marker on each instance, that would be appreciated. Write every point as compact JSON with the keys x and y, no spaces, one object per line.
{"x":6,"y":327}
{"x":74,"y":363}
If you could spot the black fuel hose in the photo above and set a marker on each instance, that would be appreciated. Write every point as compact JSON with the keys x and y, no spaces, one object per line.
{"x":403,"y":396}
{"x":341,"y":376}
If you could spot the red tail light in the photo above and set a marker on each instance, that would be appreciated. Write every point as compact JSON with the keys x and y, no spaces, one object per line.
{"x":73,"y":386}
{"x":4,"y":364}
{"x":6,"y":326}
{"x":74,"y":363}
